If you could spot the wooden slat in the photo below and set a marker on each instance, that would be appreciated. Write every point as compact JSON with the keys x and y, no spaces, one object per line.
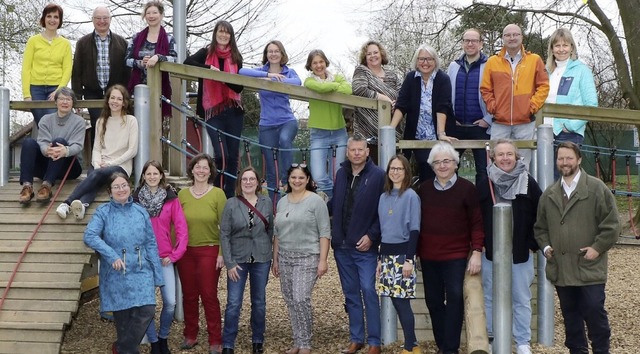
{"x":35,"y":316}
{"x":41,"y":277}
{"x":46,"y":228}
{"x":30,"y":336}
{"x":43,"y":268}
{"x":41,"y":285}
{"x":29,"y":347}
{"x":36,"y":248}
{"x":46,"y":258}
{"x":43,"y":294}
{"x":48,"y":326}
{"x":44,"y":236}
{"x":41,"y":305}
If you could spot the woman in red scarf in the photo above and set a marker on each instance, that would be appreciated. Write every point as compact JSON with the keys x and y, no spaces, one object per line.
{"x":220,"y":102}
{"x":149,"y":46}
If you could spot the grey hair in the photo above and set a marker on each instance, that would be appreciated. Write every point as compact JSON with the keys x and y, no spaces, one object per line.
{"x":65,"y":91}
{"x":429,"y":49}
{"x":446,"y":148}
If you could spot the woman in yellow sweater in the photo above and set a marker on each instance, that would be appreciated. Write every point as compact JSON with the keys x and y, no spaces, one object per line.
{"x":46,"y":65}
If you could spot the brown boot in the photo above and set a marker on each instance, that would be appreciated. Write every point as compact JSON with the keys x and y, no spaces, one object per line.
{"x":44,"y":193}
{"x":26,"y":194}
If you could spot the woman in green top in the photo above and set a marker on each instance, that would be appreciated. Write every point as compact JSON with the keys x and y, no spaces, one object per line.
{"x":200,"y":266}
{"x":326,"y":122}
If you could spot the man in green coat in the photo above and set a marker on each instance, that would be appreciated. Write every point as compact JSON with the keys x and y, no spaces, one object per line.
{"x":577,"y":224}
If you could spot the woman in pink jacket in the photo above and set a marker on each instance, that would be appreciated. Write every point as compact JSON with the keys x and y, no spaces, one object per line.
{"x":161,"y":201}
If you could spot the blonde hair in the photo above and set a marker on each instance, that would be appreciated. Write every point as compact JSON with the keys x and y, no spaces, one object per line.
{"x":561,"y":34}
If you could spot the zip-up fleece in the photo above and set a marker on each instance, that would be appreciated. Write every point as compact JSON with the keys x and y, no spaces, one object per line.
{"x":514,"y":97}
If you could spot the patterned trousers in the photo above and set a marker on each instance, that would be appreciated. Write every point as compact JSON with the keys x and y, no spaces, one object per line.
{"x":298,"y":274}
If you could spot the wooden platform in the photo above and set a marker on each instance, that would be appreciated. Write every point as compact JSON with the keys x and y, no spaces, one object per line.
{"x":47,"y":287}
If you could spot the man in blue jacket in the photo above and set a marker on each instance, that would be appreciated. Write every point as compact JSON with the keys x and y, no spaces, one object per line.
{"x":472,"y":119}
{"x":355,"y":236}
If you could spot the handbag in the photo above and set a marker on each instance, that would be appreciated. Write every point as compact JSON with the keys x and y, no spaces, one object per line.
{"x":255,"y":211}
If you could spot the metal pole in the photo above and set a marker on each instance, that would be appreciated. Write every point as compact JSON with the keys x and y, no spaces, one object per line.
{"x":5,"y":125}
{"x":546,"y":309}
{"x":207,"y":144}
{"x":179,"y":126}
{"x":388,"y":315}
{"x":502,"y":287}
{"x":179,"y":312}
{"x":142,"y":111}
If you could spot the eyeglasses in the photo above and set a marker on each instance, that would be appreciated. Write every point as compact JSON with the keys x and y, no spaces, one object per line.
{"x":470,"y":41}
{"x":396,"y":169}
{"x":248,"y":179}
{"x":426,"y":60}
{"x":65,"y":99}
{"x":301,"y":165}
{"x":442,"y":162}
{"x":120,"y":187}
{"x":511,"y":35}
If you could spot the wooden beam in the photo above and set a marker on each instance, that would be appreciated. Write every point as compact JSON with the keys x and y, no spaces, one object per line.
{"x":460,"y":144}
{"x":589,"y":113}
{"x":154,"y":80}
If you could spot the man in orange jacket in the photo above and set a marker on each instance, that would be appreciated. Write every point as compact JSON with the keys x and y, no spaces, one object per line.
{"x":514,"y":86}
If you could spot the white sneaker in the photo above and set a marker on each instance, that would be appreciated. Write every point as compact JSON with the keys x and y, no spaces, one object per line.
{"x":63,"y":210}
{"x":524,"y":349}
{"x":78,"y":209}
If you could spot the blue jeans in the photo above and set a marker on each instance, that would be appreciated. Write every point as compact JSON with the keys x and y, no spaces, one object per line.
{"x":41,"y":93}
{"x":34,"y":164}
{"x":258,"y":274}
{"x":443,"y":294}
{"x":357,"y":272}
{"x":521,"y":279}
{"x":168,"y":292}
{"x":323,"y":163}
{"x":476,"y":132}
{"x":225,"y":147}
{"x":96,"y":179}
{"x":281,"y":137}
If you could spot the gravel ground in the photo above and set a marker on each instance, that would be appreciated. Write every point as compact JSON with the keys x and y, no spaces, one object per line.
{"x":89,"y":334}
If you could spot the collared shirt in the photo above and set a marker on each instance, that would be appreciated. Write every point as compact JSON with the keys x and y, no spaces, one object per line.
{"x":426,"y":129}
{"x":569,"y":188}
{"x":102,"y":64}
{"x":467,"y":63}
{"x":447,"y":185}
{"x":513,"y":60}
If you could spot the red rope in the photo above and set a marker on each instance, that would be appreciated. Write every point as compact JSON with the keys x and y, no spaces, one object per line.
{"x":613,"y":171}
{"x":598,"y":164}
{"x":247,"y":151}
{"x":33,"y":235}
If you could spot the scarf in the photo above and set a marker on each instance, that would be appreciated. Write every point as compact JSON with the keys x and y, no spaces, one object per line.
{"x":217,"y":96}
{"x":329,"y":78}
{"x":162,"y":48}
{"x":509,"y":184}
{"x":150,"y":201}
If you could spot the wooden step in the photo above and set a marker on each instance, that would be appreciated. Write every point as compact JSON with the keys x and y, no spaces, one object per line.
{"x":41,"y":246}
{"x":12,"y":347}
{"x":33,"y":326}
{"x":43,"y":268}
{"x":40,"y":305}
{"x":41,"y":277}
{"x":35,"y":316}
{"x":46,"y":258}
{"x":23,"y":335}
{"x":41,"y":285}
{"x":43,"y":294}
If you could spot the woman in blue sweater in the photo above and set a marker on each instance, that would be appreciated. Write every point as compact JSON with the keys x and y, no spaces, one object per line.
{"x":278,"y":125}
{"x":571,"y":82}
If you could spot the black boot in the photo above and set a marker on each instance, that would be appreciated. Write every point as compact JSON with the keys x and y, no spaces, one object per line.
{"x":227,"y":350}
{"x":155,"y":348}
{"x":258,"y":348}
{"x":164,"y":346}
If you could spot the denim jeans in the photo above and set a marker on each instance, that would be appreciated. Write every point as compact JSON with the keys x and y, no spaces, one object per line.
{"x":41,"y":93}
{"x":525,"y":131}
{"x":258,"y":274}
{"x":475,"y":132}
{"x":357,"y":272}
{"x":323,"y":164}
{"x":443,"y":295}
{"x":130,"y":327}
{"x":34,"y":164}
{"x":227,"y":148}
{"x":96,"y":179}
{"x":281,"y":137}
{"x":168,"y":292}
{"x":521,"y":279}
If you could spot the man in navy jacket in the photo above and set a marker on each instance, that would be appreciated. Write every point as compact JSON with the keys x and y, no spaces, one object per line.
{"x":355,"y":237}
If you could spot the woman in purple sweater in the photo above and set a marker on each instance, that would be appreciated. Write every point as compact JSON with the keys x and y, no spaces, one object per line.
{"x":278,"y":125}
{"x":161,"y":201}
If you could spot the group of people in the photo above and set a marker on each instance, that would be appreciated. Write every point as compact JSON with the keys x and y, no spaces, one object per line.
{"x":446,"y":223}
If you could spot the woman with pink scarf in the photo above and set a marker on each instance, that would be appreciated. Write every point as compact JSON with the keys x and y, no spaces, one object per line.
{"x":220,"y":102}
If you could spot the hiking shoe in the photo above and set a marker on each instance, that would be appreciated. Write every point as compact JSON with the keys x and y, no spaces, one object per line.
{"x":78,"y":209}
{"x":26,"y":194}
{"x":44,"y":193}
{"x":63,"y":210}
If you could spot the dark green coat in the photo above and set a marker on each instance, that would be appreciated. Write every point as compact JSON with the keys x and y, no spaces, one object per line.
{"x":589,"y":219}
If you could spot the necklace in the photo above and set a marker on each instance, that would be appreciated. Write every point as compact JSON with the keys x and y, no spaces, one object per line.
{"x":199,"y":194}
{"x":392,"y":205}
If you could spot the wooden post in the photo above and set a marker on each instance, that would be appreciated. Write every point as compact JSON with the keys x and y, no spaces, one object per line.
{"x":154,"y":80}
{"x":177,"y":130}
{"x":474,"y":316}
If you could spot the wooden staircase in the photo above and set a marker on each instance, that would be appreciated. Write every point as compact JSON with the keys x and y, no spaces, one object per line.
{"x":47,"y":287}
